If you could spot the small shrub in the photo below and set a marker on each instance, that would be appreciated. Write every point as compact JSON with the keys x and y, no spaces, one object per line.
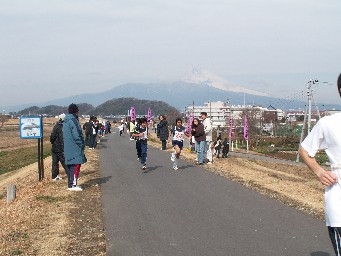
{"x":49,"y":199}
{"x":16,"y":252}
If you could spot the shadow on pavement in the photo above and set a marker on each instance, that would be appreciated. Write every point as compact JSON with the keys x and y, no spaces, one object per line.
{"x":152,"y":168}
{"x":97,"y":181}
{"x":185,"y":166}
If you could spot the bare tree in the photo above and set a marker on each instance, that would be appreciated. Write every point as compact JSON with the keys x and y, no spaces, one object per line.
{"x":3,"y":119}
{"x":254,"y":129}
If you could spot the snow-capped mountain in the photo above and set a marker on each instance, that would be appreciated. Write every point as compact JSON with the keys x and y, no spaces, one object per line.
{"x":197,"y":76}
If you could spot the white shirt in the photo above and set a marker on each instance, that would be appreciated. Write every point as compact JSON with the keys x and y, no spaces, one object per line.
{"x":326,"y":135}
{"x":208,"y":128}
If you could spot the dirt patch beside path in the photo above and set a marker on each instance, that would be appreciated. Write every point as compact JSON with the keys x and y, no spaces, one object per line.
{"x":47,"y":219}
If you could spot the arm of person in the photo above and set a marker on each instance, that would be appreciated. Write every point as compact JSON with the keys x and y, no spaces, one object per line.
{"x":53,"y":135}
{"x":77,"y":134}
{"x":208,"y":127}
{"x":137,"y":134}
{"x":326,"y":177}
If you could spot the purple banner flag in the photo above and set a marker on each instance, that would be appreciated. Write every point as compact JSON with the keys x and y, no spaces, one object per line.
{"x":231,"y":127}
{"x":246,"y":128}
{"x":132,"y":114}
{"x":149,"y":115}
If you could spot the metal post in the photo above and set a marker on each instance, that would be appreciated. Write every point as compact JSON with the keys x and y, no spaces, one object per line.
{"x":39,"y":161}
{"x":42,"y":149}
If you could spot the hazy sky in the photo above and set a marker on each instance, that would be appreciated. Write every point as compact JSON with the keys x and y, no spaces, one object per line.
{"x":52,"y":49}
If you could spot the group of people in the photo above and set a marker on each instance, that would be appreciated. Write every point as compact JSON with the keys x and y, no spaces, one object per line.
{"x":68,"y":146}
{"x":202,"y":139}
{"x":200,"y":135}
{"x":94,"y":131}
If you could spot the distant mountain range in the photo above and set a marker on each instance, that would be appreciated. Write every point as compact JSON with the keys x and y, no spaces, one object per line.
{"x":198,"y":87}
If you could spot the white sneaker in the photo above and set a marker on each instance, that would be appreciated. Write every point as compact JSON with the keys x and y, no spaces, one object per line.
{"x":209,"y":162}
{"x":57,"y":178}
{"x":144,"y":167}
{"x":175,"y":167}
{"x":173,"y":157}
{"x":75,"y":188}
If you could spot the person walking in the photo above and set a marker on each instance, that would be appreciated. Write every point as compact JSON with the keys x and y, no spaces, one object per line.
{"x":141,"y":134}
{"x":57,"y":141}
{"x":325,"y":135}
{"x":131,"y":129}
{"x":73,"y":147}
{"x":162,"y":131}
{"x":208,"y":131}
{"x":177,"y":133}
{"x":121,"y":128}
{"x":198,"y":131}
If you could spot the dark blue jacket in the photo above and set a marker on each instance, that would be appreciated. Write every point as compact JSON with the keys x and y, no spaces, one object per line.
{"x":163,"y":130}
{"x":73,"y":140}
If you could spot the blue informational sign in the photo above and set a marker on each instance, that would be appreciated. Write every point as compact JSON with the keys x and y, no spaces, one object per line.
{"x":31,"y":127}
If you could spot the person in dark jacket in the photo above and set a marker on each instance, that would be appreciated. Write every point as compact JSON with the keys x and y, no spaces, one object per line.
{"x":73,"y":147}
{"x":57,"y":141}
{"x":162,"y":131}
{"x":198,"y":131}
{"x":87,"y":127}
{"x":226,"y":148}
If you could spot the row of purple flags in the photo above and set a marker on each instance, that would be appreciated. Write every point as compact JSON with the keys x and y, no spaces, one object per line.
{"x":190,"y":120}
{"x":246,"y":128}
{"x":133,"y":114}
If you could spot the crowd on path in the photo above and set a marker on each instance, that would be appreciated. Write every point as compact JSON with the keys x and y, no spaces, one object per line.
{"x":199,"y":136}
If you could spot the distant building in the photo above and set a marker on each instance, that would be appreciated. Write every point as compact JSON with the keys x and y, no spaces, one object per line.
{"x":219,"y":112}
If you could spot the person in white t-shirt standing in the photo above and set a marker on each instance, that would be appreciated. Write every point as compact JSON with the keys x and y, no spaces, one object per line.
{"x":208,"y":131}
{"x":326,"y":136}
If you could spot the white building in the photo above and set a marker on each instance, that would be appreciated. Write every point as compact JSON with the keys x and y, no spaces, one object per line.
{"x":219,"y":112}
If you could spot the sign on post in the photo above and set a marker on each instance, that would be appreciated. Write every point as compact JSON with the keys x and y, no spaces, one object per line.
{"x":31,"y":127}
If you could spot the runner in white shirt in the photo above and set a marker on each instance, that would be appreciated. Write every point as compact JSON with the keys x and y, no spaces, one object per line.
{"x":177,"y":133}
{"x":326,"y":136}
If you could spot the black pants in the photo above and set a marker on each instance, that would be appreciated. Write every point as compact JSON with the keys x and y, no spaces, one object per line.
{"x":164,"y":144}
{"x":87,"y":139}
{"x":56,"y":158}
{"x":334,"y":234}
{"x":138,"y":148}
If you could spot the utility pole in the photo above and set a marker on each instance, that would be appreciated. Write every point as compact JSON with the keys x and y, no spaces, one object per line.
{"x":210,"y":111}
{"x":307,"y":114}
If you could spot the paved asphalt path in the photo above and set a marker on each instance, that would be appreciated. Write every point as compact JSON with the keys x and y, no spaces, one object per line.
{"x":194,"y":212}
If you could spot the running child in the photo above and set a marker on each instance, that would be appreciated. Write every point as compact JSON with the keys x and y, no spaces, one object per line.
{"x":177,"y":133}
{"x":141,"y":134}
